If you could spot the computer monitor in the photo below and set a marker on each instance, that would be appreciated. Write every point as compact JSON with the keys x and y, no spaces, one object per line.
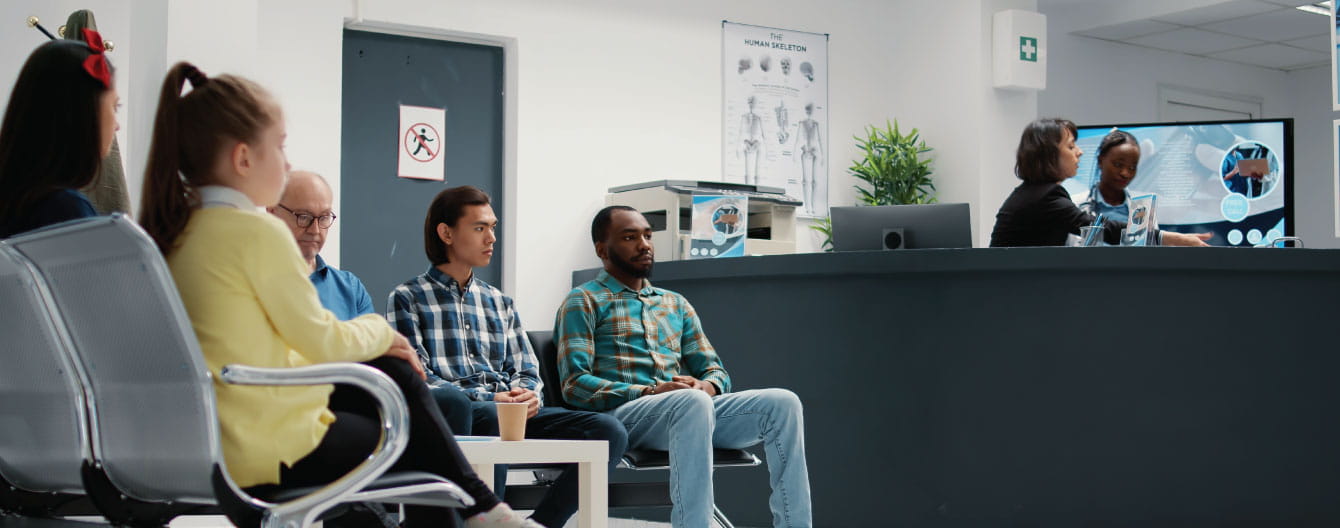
{"x":920,"y":226}
{"x":1233,"y":179}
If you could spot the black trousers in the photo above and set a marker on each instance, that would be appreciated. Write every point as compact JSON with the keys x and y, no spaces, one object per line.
{"x":432,"y":446}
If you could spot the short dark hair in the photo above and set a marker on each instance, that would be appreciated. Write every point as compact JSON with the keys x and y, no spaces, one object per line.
{"x":447,"y":207}
{"x":1038,"y":157}
{"x":50,"y":138}
{"x":1114,"y":138}
{"x":600,"y":226}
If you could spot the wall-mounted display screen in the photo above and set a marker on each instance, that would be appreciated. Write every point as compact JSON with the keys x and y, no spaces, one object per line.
{"x":1230,"y":178}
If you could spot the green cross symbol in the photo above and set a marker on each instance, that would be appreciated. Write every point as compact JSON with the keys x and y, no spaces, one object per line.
{"x":1028,"y":49}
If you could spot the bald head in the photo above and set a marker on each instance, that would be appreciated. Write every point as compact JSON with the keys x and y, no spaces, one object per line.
{"x":306,"y":193}
{"x":302,"y":185}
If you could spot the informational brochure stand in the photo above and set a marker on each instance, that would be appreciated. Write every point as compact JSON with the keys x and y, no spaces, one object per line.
{"x":719,"y":226}
{"x":1140,"y":222}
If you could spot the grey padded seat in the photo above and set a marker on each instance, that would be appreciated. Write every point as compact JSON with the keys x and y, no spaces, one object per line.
{"x":43,"y":433}
{"x":155,"y":439}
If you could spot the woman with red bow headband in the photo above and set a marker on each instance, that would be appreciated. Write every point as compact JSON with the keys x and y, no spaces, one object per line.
{"x":58,"y":126}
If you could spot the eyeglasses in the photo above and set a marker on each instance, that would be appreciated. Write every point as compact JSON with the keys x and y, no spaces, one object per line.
{"x":304,"y":220}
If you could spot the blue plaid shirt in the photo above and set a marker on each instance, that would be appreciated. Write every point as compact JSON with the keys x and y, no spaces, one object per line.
{"x":471,"y":337}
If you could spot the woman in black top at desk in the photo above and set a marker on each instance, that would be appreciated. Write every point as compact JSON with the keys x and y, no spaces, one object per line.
{"x":59,"y":125}
{"x":1040,"y":212}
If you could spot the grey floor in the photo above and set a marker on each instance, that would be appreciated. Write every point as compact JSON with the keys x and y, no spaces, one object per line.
{"x":220,"y":522}
{"x":213,"y":521}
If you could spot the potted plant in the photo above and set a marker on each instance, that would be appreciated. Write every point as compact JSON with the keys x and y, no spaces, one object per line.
{"x":893,"y":169}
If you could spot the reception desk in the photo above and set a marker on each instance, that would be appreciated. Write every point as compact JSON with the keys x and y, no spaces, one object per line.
{"x":1039,"y":386}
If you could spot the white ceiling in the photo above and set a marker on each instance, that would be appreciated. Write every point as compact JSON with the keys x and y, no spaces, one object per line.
{"x":1266,"y":33}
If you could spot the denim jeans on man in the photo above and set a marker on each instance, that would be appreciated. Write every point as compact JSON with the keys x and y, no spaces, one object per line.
{"x":688,"y":423}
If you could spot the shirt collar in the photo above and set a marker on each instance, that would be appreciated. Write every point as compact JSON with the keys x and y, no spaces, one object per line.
{"x":448,"y":281}
{"x":221,"y":196}
{"x":320,"y":265}
{"x":1096,"y":196}
{"x":616,"y":286}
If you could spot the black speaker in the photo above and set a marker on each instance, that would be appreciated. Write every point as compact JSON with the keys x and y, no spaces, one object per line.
{"x":894,"y":238}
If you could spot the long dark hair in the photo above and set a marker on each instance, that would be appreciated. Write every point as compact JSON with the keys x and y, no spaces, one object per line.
{"x":50,"y":138}
{"x":190,"y":134}
{"x":1038,"y":157}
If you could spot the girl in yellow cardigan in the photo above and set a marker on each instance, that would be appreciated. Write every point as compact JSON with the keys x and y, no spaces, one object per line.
{"x":216,"y":155}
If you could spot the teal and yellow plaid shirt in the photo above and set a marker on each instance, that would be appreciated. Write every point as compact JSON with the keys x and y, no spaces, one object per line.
{"x":614,"y":342}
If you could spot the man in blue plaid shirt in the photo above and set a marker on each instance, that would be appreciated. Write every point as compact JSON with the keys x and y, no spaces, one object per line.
{"x":470,"y":338}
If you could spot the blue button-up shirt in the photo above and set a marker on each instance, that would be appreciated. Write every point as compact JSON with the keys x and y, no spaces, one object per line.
{"x":340,"y":291}
{"x":469,"y":336}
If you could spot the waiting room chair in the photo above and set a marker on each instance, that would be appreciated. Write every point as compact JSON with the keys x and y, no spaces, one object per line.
{"x":43,"y":429}
{"x":631,"y":494}
{"x":155,"y":439}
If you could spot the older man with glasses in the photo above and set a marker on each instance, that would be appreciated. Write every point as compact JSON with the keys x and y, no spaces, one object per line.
{"x":306,"y":209}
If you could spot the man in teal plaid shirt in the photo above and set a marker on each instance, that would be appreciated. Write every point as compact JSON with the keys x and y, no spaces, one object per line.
{"x":638,"y":353}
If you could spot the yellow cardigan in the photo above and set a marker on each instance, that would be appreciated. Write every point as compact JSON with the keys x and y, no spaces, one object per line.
{"x":245,"y":286}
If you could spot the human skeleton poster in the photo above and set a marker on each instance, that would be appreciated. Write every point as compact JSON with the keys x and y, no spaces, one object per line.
{"x":775,"y":111}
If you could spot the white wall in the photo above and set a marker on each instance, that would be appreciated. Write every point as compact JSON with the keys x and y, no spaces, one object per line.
{"x":614,"y":92}
{"x":1004,"y":115}
{"x":18,"y":41}
{"x":619,"y":92}
{"x":941,"y":54}
{"x":1314,"y":174}
{"x":606,"y":86}
{"x":1094,"y":82}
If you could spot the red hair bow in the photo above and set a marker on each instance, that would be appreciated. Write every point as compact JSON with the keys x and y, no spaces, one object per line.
{"x":96,"y":64}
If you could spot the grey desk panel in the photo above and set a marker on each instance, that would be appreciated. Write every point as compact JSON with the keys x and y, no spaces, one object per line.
{"x":1041,"y":386}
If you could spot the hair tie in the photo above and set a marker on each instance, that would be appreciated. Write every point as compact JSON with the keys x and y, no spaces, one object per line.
{"x":96,"y":63}
{"x":196,"y":76}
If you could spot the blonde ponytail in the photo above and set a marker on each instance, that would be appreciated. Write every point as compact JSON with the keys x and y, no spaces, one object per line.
{"x":190,"y":133}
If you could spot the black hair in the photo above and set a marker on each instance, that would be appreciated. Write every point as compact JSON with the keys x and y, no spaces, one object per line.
{"x":447,"y":207}
{"x":1114,"y":138}
{"x":1038,"y":157}
{"x":600,"y":226}
{"x":50,"y":138}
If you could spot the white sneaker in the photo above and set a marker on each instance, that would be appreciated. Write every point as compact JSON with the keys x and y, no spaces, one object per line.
{"x":501,"y":516}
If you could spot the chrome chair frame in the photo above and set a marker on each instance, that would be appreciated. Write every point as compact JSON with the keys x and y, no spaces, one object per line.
{"x":129,"y":495}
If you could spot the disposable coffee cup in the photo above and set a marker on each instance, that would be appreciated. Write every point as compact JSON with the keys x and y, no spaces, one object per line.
{"x":512,"y":420}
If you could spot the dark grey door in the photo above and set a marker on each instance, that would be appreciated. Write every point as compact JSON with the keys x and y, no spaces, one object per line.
{"x":382,"y":215}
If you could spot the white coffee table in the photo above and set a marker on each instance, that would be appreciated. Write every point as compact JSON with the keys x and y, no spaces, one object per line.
{"x":591,"y":457}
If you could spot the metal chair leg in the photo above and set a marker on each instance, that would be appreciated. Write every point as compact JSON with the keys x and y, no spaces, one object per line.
{"x":720,"y":518}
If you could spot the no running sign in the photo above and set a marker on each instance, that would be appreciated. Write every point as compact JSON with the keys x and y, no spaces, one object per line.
{"x":421,"y":142}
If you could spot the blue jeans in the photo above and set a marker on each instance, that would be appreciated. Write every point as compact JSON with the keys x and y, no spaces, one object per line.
{"x":688,"y":423}
{"x":555,"y":423}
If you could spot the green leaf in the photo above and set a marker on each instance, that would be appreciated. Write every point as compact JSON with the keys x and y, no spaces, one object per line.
{"x":892,"y":168}
{"x":825,"y":225}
